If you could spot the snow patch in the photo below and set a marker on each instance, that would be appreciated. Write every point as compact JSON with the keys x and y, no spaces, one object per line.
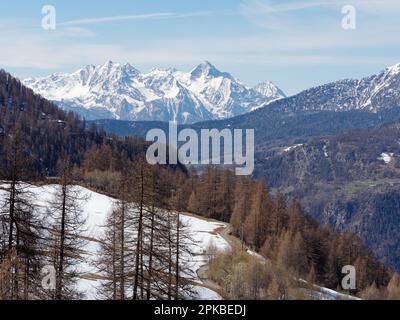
{"x":386,"y":157}
{"x":290,"y":148}
{"x":97,"y":207}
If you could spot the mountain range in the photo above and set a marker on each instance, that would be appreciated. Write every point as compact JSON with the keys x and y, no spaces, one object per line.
{"x":323,"y":110}
{"x":119,"y":91}
{"x":373,"y":93}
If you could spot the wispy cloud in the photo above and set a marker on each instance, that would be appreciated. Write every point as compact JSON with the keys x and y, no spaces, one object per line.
{"x":273,"y":6}
{"x":296,"y":5}
{"x":59,"y":50}
{"x":306,"y":34}
{"x":75,"y":32}
{"x":135,"y":17}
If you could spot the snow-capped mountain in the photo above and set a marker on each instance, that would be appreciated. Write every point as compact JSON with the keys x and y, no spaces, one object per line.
{"x":267,"y":88}
{"x":119,"y":91}
{"x":383,"y":90}
{"x":374,"y":93}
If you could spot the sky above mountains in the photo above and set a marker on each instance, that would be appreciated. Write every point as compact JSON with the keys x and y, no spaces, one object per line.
{"x":296,"y":44}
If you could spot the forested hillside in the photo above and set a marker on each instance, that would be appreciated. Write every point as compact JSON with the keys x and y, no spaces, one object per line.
{"x":282,"y":232}
{"x":350,"y":182}
{"x":273,"y":128}
{"x":43,"y":132}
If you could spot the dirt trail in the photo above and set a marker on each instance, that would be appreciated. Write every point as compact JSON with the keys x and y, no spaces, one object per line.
{"x":226,"y":233}
{"x":202,"y":272}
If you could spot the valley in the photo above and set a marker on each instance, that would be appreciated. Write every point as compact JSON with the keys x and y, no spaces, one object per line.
{"x":341,"y":131}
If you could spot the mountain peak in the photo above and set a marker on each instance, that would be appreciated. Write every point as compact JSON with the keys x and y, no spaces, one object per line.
{"x":112,"y":67}
{"x":207,"y":64}
{"x":109,"y":63}
{"x":163,"y":71}
{"x":395,"y":69}
{"x":269,"y":89}
{"x":207,"y":69}
{"x":86,"y":69}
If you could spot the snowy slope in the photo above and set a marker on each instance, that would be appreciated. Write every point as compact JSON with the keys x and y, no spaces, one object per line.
{"x":119,"y":91}
{"x":203,"y":232}
{"x":321,"y":293}
{"x":267,"y":88}
{"x":98,"y":206}
{"x":374,"y":93}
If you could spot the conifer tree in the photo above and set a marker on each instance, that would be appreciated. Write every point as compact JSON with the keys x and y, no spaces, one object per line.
{"x":241,"y":206}
{"x":67,"y":231}
{"x":20,"y":223}
{"x":393,"y":288}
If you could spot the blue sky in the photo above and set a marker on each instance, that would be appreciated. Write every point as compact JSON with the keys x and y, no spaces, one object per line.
{"x":296,"y":44}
